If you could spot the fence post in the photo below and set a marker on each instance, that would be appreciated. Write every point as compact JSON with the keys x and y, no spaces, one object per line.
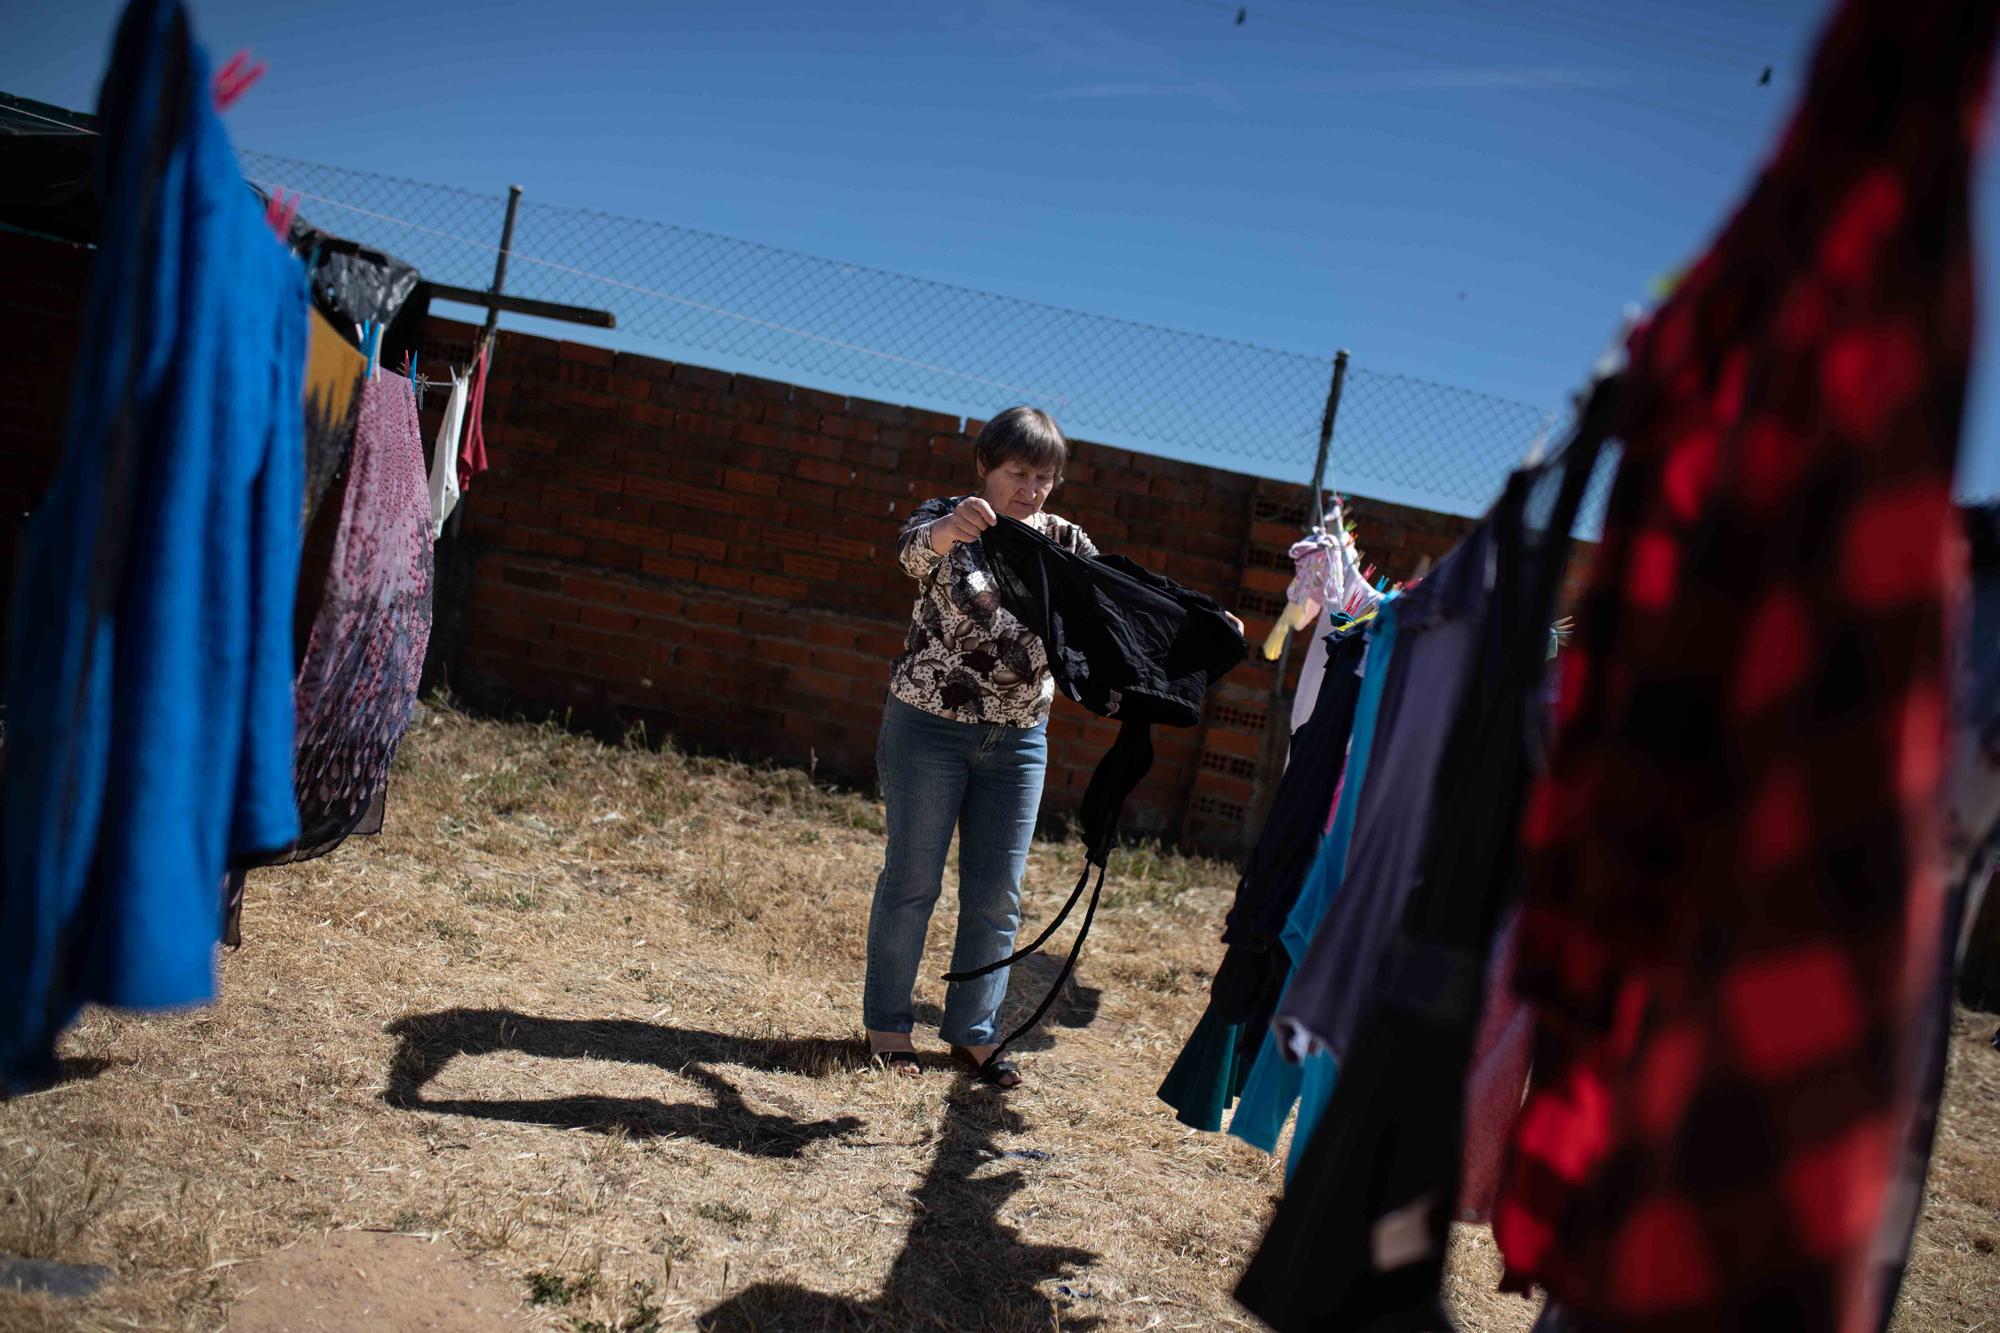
{"x":451,"y":576}
{"x":1332,"y":410}
{"x":1278,"y":714}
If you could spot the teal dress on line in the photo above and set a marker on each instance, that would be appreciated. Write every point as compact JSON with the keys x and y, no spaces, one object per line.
{"x":1274,"y":1082}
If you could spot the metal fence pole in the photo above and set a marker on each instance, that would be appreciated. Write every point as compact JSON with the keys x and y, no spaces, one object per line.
{"x":500,"y":264}
{"x":451,"y":578}
{"x":1277,"y":743}
{"x":1333,"y":392}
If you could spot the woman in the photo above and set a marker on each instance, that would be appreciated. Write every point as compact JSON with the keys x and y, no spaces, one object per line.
{"x":964,"y":745}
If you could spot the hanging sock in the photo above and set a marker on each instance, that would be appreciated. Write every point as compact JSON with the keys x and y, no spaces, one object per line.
{"x":444,"y":457}
{"x":472,"y":449}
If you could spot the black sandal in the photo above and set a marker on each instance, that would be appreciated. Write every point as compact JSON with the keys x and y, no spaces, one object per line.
{"x":995,"y":1069}
{"x":903,"y":1064}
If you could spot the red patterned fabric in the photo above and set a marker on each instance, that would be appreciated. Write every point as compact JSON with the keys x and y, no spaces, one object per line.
{"x":1733,"y":882}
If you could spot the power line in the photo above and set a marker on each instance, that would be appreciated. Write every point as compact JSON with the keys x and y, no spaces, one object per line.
{"x":1452,"y":63}
{"x":1560,"y":26}
{"x":1756,"y":57}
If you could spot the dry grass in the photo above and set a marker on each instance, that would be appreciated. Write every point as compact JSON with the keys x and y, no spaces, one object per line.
{"x":590,"y":1014}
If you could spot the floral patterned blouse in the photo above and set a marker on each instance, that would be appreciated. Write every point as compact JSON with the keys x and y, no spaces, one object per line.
{"x":968,"y":658}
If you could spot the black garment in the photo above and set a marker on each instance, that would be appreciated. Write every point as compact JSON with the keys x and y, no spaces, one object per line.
{"x":1122,"y":641}
{"x":1358,"y":1241}
{"x":1125,"y":643}
{"x":1300,"y":809}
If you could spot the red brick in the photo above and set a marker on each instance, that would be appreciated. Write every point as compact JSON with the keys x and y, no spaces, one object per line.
{"x":701,"y":377}
{"x":830,"y":474}
{"x":715,"y":613}
{"x":820,"y":684}
{"x":546,"y":607}
{"x":668,"y":566}
{"x":651,"y":602}
{"x":849,"y":428}
{"x":541,"y":543}
{"x":778,"y":650}
{"x":629,"y":386}
{"x":687,"y":543}
{"x":832,"y":403}
{"x":770,"y":585}
{"x":750,"y":483}
{"x":613,"y":555}
{"x":608,"y":618}
{"x":849,"y":548}
{"x":726,"y":576}
{"x":505,"y":622}
{"x":831,"y":635}
{"x":855,"y":666}
{"x":886,"y":483}
{"x":811,"y":567}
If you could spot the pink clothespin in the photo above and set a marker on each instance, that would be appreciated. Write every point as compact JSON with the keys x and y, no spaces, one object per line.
{"x":279,"y":212}
{"x":234,"y":79}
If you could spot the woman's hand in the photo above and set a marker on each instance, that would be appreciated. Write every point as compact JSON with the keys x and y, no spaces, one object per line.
{"x":963,"y":524}
{"x":1234,"y":623}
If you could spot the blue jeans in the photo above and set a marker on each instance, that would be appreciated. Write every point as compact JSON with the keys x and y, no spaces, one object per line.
{"x":938,"y":775}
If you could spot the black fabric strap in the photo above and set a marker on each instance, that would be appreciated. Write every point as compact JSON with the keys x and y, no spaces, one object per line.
{"x":1069,"y":966}
{"x":973,"y":973}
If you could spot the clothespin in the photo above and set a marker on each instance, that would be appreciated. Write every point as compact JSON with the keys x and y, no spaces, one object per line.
{"x":279,"y":212}
{"x":234,"y":79}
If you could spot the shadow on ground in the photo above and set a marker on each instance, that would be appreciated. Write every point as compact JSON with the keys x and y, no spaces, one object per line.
{"x":960,"y":1267}
{"x":428,"y":1042}
{"x":1029,"y":980}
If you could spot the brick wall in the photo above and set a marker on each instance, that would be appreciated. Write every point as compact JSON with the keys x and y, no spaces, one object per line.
{"x":708,"y":555}
{"x":711,"y":557}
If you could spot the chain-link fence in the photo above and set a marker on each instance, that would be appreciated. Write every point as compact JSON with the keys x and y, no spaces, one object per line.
{"x":740,"y":306}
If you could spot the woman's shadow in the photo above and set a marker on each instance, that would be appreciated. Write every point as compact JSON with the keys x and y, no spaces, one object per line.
{"x":960,"y":1267}
{"x":428,"y":1042}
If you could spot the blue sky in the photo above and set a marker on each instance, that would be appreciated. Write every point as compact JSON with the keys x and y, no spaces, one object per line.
{"x":1465,"y":191}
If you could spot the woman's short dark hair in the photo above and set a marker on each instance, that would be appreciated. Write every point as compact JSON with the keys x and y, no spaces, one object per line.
{"x":1026,"y":433}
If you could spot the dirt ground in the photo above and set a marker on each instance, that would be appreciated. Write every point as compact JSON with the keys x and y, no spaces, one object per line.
{"x":574,"y":1045}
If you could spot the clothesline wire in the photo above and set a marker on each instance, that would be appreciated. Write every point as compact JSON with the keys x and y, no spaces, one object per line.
{"x":13,"y":110}
{"x":515,"y":256}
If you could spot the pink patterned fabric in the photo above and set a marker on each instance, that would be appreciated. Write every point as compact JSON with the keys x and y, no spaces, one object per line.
{"x":365,"y":652}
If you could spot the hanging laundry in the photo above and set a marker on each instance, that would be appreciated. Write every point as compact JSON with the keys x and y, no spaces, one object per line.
{"x":1971,"y":826}
{"x":1211,"y":1069}
{"x":1437,"y":1049}
{"x":1732,"y":908}
{"x":1125,"y":643}
{"x":444,"y":457}
{"x":1437,"y":624}
{"x":357,"y":686}
{"x":1275,"y":1084}
{"x":149,"y":741}
{"x":472,"y":450}
{"x":1326,"y":574}
{"x":334,"y":371}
